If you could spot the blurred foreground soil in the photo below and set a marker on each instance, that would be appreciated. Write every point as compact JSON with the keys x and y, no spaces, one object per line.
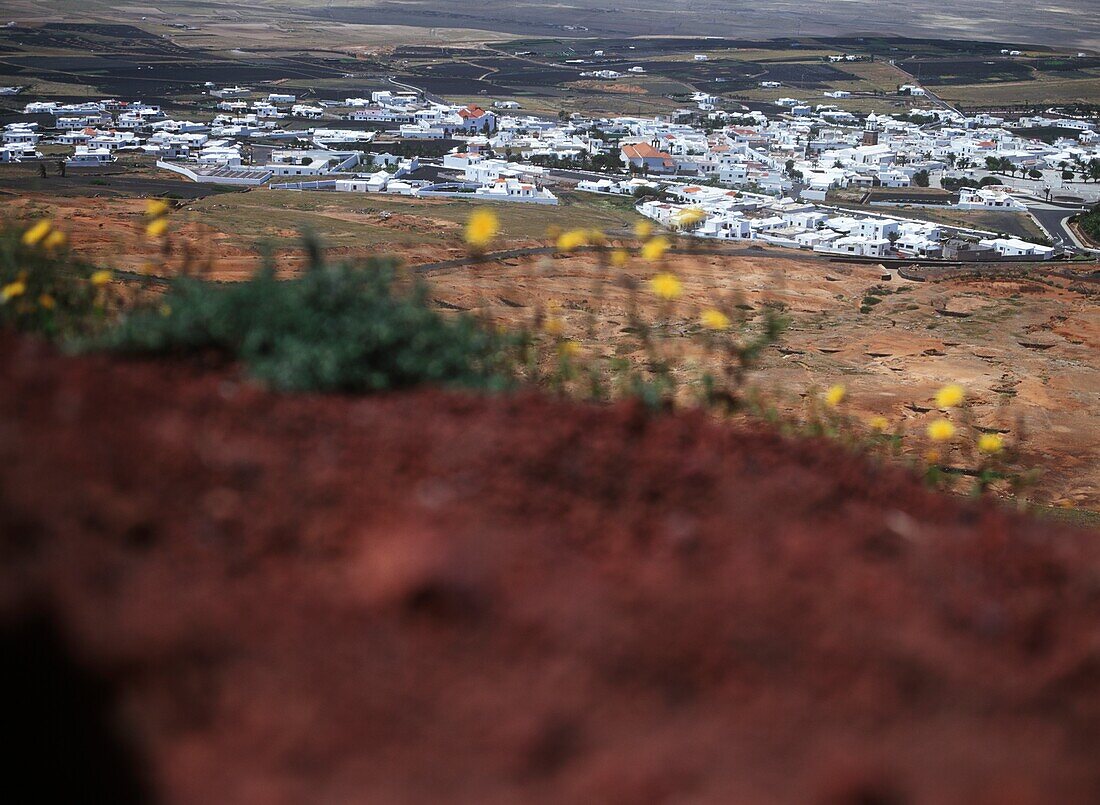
{"x":211,"y":593}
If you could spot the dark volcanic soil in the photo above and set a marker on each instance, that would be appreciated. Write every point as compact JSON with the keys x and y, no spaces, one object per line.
{"x":430,"y":597}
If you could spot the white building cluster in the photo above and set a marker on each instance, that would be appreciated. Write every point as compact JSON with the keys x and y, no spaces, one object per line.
{"x":769,"y":175}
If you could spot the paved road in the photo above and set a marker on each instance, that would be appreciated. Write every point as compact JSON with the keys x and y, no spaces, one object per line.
{"x":1053,"y":220}
{"x":429,"y":96}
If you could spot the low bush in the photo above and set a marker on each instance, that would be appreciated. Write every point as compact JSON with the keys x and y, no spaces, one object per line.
{"x":336,"y":328}
{"x":1090,"y":223}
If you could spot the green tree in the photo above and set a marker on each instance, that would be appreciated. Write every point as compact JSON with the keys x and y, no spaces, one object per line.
{"x":1094,"y":169}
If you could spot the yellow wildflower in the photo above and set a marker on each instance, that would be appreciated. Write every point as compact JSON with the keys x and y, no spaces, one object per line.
{"x":155,"y":208}
{"x":667,"y":286}
{"x":940,"y":430}
{"x":950,"y":396}
{"x":596,"y":237}
{"x":619,"y":258}
{"x":714,"y":319}
{"x":835,"y":395}
{"x":990,"y":443}
{"x":156,"y":227}
{"x":879,"y":424}
{"x":12,"y":290}
{"x":655,"y":248}
{"x":165,"y":310}
{"x":932,"y":456}
{"x":100,"y":278}
{"x":573,"y":239}
{"x":643,"y":229}
{"x":482,"y":227}
{"x":47,"y":301}
{"x":35,"y":235}
{"x":55,"y":240}
{"x":568,"y":349}
{"x":554,"y":325}
{"x":690,"y":216}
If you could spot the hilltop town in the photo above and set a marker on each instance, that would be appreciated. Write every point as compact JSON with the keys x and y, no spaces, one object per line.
{"x":803,"y":174}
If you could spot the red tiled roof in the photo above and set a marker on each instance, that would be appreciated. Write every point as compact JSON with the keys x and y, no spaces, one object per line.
{"x":644,"y":151}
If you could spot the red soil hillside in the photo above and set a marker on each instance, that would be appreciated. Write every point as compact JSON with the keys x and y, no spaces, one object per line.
{"x":217,"y":594}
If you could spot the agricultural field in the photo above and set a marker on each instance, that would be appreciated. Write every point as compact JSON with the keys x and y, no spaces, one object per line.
{"x":1036,"y":93}
{"x":999,"y":70}
{"x":164,"y":64}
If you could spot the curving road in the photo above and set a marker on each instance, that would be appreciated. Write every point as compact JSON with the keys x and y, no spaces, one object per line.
{"x":1052,"y":218}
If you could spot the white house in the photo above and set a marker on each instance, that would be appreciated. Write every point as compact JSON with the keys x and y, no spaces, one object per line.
{"x":1014,"y":247}
{"x":311,"y":163}
{"x":84,"y":157}
{"x":986,"y":198}
{"x":515,"y":190}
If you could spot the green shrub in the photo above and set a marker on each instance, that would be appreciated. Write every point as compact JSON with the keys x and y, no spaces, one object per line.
{"x":1090,"y":222}
{"x":335,"y":328}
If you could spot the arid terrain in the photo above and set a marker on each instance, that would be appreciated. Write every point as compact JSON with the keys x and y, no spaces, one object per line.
{"x":1027,"y":351}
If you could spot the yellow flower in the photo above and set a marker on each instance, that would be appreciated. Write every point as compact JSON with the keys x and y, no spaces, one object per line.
{"x":932,"y":456}
{"x":554,"y":325}
{"x":689,"y":216}
{"x":482,"y":227}
{"x":34,"y":235}
{"x":156,"y":227}
{"x":990,"y":443}
{"x":940,"y":430}
{"x":55,"y":240}
{"x":950,"y":396}
{"x":573,"y":239}
{"x":835,"y":395}
{"x":553,"y":231}
{"x":596,"y":237}
{"x":155,"y":208}
{"x":12,"y":290}
{"x":165,"y":310}
{"x":619,"y":258}
{"x":667,"y":286}
{"x":100,"y":278}
{"x":655,"y":248}
{"x":568,"y":349}
{"x":643,"y":229}
{"x":714,"y":319}
{"x":47,"y":301}
{"x":879,"y":424}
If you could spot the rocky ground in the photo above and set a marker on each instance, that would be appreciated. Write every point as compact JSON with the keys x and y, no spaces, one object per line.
{"x":1026,"y":351}
{"x":217,"y":594}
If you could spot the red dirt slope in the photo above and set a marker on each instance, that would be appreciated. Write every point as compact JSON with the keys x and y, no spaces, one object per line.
{"x":431,"y":597}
